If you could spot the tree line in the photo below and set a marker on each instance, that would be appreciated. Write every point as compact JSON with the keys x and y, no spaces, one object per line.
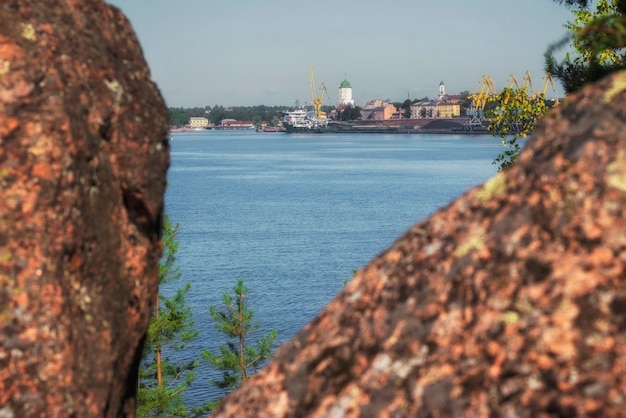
{"x":271,"y":115}
{"x":179,"y":116}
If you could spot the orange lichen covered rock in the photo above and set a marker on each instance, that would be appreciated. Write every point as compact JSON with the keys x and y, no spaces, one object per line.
{"x":83,"y":157}
{"x":509,"y":302}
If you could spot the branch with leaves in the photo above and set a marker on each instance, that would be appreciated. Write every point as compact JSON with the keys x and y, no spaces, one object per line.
{"x":513,"y":119}
{"x":598,"y":38}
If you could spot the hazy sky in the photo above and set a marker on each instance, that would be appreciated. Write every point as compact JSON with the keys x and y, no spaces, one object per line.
{"x":254,"y":52}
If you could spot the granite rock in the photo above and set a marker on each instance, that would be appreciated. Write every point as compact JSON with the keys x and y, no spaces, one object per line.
{"x":83,"y":156}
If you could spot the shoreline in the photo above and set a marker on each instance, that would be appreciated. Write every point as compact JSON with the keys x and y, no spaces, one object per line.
{"x":453,"y":126}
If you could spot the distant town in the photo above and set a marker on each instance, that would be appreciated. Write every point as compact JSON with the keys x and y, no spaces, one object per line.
{"x":446,"y":112}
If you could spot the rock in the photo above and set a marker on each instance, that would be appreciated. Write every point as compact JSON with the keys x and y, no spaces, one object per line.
{"x":509,"y":302}
{"x":83,"y":156}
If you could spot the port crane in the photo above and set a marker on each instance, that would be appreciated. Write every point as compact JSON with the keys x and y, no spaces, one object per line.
{"x":318,"y":98}
{"x":515,"y":86}
{"x":479,"y":100}
{"x":514,"y":82}
{"x":550,"y":82}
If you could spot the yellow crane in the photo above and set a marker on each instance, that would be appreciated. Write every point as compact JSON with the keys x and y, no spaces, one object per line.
{"x":317,"y":98}
{"x":479,"y":100}
{"x":527,"y":82}
{"x":513,"y":81}
{"x":487,"y":89}
{"x":548,"y":81}
{"x":514,"y":85}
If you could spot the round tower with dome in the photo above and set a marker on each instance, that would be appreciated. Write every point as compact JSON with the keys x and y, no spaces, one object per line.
{"x":345,"y":94}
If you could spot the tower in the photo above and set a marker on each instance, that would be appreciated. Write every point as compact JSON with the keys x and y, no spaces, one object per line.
{"x":442,"y":90}
{"x":345,"y":94}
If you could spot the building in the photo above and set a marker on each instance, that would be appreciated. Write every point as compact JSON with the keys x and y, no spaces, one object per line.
{"x":198,"y":123}
{"x":235,"y":124}
{"x":444,"y":107}
{"x":449,"y":98}
{"x":446,"y":110}
{"x":345,"y":94}
{"x":378,"y":109}
{"x":435,"y":109}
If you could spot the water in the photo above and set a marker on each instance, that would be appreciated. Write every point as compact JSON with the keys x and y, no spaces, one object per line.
{"x":293,"y":215}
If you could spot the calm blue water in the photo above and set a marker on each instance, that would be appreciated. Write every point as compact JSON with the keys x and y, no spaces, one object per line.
{"x":293,"y":215}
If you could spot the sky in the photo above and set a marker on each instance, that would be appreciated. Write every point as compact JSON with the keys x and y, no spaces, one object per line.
{"x":259,"y":52}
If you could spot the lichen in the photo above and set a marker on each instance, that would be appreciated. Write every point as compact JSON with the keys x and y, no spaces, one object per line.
{"x":510,"y":317}
{"x":475,"y":241}
{"x":28,"y":32}
{"x":116,"y":88}
{"x":616,"y":172}
{"x":618,"y":86}
{"x":5,"y":67}
{"x":492,"y":187}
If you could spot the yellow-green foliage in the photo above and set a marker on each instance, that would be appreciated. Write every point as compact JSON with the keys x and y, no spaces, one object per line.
{"x":514,"y":118}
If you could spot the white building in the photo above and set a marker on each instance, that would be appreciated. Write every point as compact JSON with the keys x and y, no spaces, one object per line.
{"x":345,"y":94}
{"x":442,"y":91}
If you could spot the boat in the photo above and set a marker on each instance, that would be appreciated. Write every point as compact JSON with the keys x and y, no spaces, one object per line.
{"x":269,"y":129}
{"x":298,"y":120}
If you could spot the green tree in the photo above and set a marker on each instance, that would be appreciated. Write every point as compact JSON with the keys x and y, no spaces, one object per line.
{"x":237,"y":359}
{"x":275,"y":121}
{"x":466,"y":104}
{"x":244,"y":113}
{"x":162,"y":380}
{"x":514,"y":117}
{"x":406,"y":108}
{"x":217,"y":114}
{"x":179,"y":116}
{"x":327,"y":108}
{"x":598,"y":38}
{"x":350,"y":112}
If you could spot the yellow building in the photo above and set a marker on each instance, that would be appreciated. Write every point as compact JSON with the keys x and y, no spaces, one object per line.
{"x":435,"y":109}
{"x":198,"y":123}
{"x":447,"y":110}
{"x":444,"y":107}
